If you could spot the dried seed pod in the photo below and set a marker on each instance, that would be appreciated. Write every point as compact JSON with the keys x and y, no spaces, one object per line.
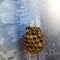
{"x":34,"y":41}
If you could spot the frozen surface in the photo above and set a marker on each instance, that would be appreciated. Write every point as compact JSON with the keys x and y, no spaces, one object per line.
{"x":8,"y":11}
{"x":15,"y":15}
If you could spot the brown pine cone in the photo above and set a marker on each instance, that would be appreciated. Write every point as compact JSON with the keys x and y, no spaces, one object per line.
{"x":34,"y":41}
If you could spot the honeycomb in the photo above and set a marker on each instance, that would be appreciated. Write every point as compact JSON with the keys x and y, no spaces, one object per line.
{"x":34,"y":41}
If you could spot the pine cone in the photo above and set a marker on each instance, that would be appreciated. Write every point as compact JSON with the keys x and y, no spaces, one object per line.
{"x":34,"y":41}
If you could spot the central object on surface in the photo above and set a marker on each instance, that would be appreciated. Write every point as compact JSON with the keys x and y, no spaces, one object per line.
{"x":34,"y":41}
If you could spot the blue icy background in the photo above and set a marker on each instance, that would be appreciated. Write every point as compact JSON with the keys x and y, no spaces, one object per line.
{"x":15,"y":15}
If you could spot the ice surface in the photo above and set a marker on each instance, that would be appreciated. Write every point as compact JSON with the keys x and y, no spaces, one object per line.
{"x":8,"y":12}
{"x":15,"y":15}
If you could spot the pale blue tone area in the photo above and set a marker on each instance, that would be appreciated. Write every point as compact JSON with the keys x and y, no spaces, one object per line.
{"x":15,"y":16}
